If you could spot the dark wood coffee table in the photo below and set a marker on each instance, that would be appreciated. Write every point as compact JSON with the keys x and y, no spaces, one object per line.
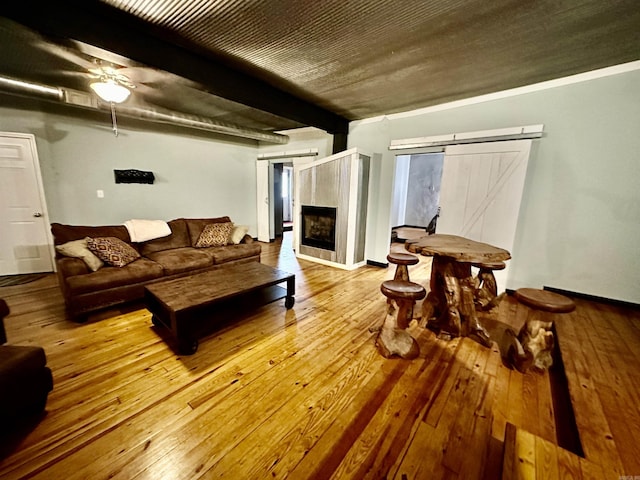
{"x":183,"y":305}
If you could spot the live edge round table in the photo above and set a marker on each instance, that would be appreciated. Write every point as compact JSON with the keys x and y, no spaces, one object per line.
{"x":449,"y":307}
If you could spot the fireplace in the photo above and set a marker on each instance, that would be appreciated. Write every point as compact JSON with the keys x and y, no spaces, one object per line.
{"x":319,"y":227}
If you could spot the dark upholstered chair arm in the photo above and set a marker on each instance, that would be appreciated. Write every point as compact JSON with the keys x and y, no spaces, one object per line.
{"x":4,"y":311}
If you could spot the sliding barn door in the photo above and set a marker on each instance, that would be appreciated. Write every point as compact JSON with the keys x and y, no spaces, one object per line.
{"x":481,"y":191}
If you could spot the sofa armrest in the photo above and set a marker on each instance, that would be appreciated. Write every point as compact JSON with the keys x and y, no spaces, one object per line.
{"x":69,"y":267}
{"x":247,"y":239}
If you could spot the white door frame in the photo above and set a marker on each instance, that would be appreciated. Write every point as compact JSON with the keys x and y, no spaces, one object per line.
{"x":40,"y":188}
{"x":262,"y":200}
{"x":264,"y":189}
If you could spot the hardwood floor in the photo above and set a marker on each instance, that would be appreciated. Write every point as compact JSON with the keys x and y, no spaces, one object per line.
{"x":304,"y":394}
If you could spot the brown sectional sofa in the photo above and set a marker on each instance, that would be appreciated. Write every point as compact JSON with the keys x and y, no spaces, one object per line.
{"x":163,"y":258}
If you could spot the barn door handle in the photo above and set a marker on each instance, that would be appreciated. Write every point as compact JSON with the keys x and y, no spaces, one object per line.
{"x":37,"y":214}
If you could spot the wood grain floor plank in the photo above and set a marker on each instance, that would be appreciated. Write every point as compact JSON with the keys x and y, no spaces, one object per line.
{"x":568,"y":465}
{"x":460,"y":444}
{"x":501,"y":402}
{"x":525,"y":465}
{"x":546,"y":424}
{"x":546,"y":460}
{"x":465,"y":351}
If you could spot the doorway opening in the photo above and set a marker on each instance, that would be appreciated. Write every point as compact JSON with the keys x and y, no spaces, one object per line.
{"x":275,"y":202}
{"x":287,"y":197}
{"x":416,"y":195}
{"x":282,"y":198}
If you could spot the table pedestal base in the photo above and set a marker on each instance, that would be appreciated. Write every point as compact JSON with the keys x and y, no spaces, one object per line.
{"x":449,"y":308}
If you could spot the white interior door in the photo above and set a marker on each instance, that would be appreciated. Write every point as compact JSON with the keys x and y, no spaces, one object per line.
{"x":481,"y":193}
{"x":262,"y":198}
{"x":24,"y":243}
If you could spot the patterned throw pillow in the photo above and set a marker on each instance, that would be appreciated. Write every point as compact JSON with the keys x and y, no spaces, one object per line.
{"x":215,"y":235}
{"x":112,"y":250}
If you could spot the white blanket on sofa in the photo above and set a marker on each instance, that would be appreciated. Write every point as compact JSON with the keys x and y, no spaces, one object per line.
{"x":144,"y":230}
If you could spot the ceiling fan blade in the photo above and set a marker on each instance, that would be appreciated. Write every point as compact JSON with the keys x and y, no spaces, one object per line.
{"x":77,"y":74}
{"x":139,"y":75}
{"x":66,"y":54}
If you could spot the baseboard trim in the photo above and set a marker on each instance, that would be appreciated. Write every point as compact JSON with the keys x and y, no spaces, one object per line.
{"x":377,"y":264}
{"x":593,"y":298}
{"x":585,"y":296}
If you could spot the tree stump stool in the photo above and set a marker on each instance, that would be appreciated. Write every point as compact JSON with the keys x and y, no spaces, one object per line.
{"x":393,"y":339}
{"x":402,"y":260}
{"x":535,"y":337}
{"x":486,"y":293}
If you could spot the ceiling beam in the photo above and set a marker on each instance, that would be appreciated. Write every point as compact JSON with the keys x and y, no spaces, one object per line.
{"x":106,"y":27}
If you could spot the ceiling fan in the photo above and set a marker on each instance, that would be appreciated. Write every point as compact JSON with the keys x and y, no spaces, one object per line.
{"x":110,"y":81}
{"x":110,"y":85}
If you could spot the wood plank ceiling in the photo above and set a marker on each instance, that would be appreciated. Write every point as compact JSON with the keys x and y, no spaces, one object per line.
{"x":276,"y":65}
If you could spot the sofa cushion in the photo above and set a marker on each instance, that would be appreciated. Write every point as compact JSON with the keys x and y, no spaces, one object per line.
{"x":140,"y":270}
{"x":215,"y":235}
{"x":229,"y":253}
{"x":79,"y":249}
{"x":179,"y":238}
{"x":179,"y":260}
{"x":196,"y":225}
{"x":66,"y":233}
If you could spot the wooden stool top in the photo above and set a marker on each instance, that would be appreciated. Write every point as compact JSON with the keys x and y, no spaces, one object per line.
{"x":545,"y":300}
{"x":402,"y":258}
{"x":401,"y":290}
{"x":490,"y":265}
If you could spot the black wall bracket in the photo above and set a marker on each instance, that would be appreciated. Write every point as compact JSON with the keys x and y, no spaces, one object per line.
{"x":134,"y":176}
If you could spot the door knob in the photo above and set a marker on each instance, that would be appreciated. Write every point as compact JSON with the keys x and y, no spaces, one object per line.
{"x":37,"y":214}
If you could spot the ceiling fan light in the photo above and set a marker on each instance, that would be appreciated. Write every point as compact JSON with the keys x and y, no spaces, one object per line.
{"x":110,"y":91}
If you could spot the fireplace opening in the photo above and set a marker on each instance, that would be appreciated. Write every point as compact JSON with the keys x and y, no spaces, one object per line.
{"x":319,"y":227}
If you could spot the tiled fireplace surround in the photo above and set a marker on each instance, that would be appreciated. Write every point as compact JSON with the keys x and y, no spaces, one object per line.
{"x":339,"y":182}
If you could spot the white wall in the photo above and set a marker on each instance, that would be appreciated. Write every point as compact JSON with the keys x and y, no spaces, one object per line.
{"x":579,"y":226}
{"x":196,"y":176}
